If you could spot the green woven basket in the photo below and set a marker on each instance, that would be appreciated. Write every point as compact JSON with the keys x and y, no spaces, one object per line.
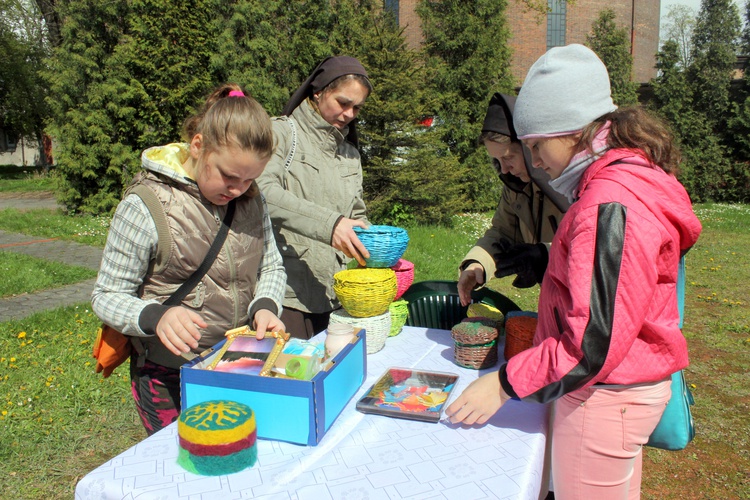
{"x":399,"y":312}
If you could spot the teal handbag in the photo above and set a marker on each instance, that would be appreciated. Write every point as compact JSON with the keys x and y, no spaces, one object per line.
{"x":676,"y":428}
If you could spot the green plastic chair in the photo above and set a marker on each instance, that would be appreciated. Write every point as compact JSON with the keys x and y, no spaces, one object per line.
{"x":435,"y":304}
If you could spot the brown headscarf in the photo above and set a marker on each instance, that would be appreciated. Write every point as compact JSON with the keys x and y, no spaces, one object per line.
{"x":326,"y":72}
{"x":499,"y":119}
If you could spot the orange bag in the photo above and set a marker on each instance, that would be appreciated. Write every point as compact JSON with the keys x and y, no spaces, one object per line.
{"x":111,"y":349}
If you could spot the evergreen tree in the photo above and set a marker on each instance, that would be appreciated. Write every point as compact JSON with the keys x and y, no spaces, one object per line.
{"x":268,"y":65}
{"x":738,"y":137}
{"x":745,"y":41}
{"x":703,"y":157}
{"x":612,"y":45}
{"x":714,"y":46}
{"x":406,"y":178}
{"x":123,"y":78}
{"x":469,"y":60}
{"x":22,"y":91}
{"x":80,"y":99}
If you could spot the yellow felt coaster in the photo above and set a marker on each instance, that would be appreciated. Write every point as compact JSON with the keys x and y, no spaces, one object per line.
{"x":216,"y":422}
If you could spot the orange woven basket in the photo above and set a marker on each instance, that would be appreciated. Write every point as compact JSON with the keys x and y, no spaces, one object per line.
{"x":519,"y":332}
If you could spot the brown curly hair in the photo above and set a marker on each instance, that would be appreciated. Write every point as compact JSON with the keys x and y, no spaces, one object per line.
{"x":635,"y":128}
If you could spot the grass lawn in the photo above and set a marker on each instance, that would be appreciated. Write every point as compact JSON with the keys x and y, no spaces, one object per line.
{"x":25,"y":274}
{"x":60,"y":420}
{"x":25,"y":179}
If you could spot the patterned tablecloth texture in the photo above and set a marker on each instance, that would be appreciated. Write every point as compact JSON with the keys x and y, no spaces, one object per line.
{"x":361,"y":456}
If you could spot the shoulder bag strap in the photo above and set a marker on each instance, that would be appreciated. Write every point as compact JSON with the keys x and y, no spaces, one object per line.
{"x":156,"y":209}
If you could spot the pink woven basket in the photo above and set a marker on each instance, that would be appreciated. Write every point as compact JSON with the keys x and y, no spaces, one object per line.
{"x":404,"y":276}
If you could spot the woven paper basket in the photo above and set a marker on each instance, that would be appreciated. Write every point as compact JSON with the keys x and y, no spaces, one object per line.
{"x":399,"y":310}
{"x":365,"y":292}
{"x":386,"y":244}
{"x":519,"y":332}
{"x":404,"y":276}
{"x":376,"y":327}
{"x":475,"y":344}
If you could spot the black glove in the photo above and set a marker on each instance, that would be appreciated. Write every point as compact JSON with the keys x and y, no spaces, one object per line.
{"x":528,"y":261}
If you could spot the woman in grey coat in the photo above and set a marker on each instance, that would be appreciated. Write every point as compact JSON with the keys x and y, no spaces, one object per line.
{"x":313,"y":186}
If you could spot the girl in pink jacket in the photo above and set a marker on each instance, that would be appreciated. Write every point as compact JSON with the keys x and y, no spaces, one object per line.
{"x":607,"y":339}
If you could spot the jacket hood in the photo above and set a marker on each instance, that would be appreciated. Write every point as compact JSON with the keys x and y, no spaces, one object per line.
{"x":499,"y":119}
{"x":167,"y":161}
{"x":660,"y":191}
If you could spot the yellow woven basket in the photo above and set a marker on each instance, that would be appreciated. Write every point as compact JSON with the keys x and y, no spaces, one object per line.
{"x":365,"y":292}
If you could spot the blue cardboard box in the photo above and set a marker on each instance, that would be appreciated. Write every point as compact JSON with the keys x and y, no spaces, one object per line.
{"x":296,"y":411}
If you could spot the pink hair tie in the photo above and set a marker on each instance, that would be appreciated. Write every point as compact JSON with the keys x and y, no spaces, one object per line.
{"x":236,"y":93}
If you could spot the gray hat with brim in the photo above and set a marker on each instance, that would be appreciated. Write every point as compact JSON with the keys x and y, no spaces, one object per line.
{"x":565,"y":90}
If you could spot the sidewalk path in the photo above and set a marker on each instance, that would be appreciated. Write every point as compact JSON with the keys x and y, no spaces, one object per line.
{"x":28,"y":201}
{"x":65,"y":252}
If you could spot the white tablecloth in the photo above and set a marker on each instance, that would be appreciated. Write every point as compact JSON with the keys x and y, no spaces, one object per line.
{"x":361,"y":456}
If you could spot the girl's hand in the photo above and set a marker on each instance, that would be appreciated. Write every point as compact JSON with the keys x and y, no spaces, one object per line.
{"x":178,"y":329}
{"x":479,"y":401}
{"x":345,"y":239}
{"x":470,"y":278}
{"x":266,"y":321}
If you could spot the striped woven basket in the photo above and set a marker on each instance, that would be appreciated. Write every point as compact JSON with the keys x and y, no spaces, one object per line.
{"x":399,"y":310}
{"x":404,"y":276}
{"x":376,"y":328}
{"x":386,"y":244}
{"x":519,"y":332}
{"x":365,"y":292}
{"x":475,"y":344}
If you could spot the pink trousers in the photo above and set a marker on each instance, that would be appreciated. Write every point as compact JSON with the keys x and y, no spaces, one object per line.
{"x":598,"y":437}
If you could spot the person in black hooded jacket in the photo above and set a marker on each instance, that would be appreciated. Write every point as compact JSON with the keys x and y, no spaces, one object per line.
{"x":526,"y":217}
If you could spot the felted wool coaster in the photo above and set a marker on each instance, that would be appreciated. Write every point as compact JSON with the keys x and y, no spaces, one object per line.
{"x":484,"y":310}
{"x":492,"y":323}
{"x":217,"y":437}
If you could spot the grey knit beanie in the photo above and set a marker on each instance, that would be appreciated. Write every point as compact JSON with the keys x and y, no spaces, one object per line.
{"x":565,"y":90}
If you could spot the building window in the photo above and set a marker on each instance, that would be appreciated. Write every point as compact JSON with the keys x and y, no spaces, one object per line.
{"x":556,"y":23}
{"x":8,"y":142}
{"x":392,"y":7}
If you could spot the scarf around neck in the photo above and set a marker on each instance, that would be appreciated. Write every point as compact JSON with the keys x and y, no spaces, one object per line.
{"x":567,"y":183}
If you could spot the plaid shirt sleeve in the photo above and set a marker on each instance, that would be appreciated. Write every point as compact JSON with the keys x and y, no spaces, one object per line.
{"x":131,"y":244}
{"x":272,"y":277}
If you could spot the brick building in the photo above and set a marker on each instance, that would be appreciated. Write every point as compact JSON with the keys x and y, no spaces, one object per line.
{"x":532,"y":34}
